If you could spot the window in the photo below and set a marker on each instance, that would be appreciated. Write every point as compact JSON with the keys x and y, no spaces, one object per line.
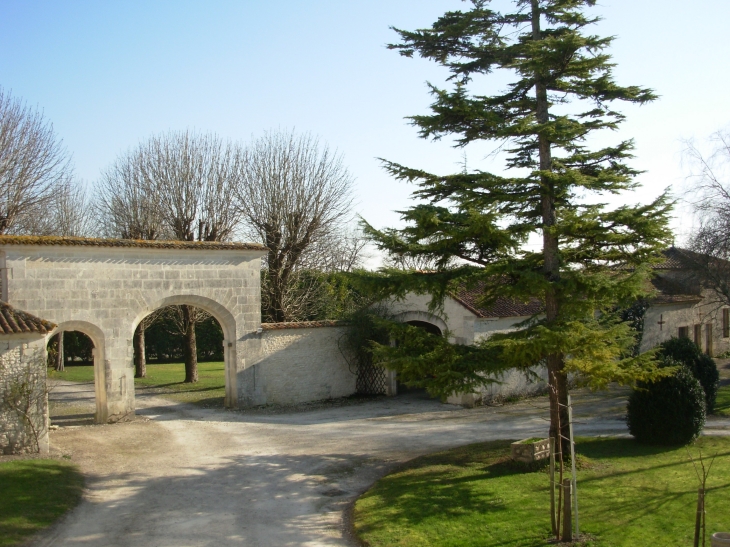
{"x":708,"y":339}
{"x":684,"y":332}
{"x":726,"y":323}
{"x":698,"y":335}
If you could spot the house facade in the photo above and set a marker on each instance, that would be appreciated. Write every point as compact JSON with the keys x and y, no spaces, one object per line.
{"x":683,"y":308}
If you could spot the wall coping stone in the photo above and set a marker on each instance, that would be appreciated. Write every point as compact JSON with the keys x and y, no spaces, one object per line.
{"x":302,"y":325}
{"x":139,"y":243}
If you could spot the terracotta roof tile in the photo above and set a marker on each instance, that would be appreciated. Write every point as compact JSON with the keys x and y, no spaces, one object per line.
{"x":301,"y":325}
{"x":502,"y":307}
{"x":14,"y":321}
{"x":141,"y":243}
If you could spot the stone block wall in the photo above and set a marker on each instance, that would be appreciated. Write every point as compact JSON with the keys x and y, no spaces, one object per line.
{"x":297,"y":364}
{"x":513,"y":383}
{"x":105,"y":291}
{"x":23,"y":395}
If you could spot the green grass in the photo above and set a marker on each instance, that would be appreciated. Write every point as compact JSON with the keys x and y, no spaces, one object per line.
{"x":167,"y":380}
{"x":722,"y":403}
{"x":629,"y":494}
{"x":33,"y":494}
{"x":81,"y":373}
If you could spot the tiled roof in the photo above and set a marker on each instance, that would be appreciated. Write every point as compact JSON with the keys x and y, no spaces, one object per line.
{"x":301,"y":325}
{"x":502,"y":307}
{"x":668,"y":292}
{"x":142,"y":243}
{"x":14,"y":321}
{"x":674,"y":259}
{"x":671,"y":291}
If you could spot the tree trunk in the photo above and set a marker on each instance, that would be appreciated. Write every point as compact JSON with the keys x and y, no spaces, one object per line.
{"x":557,"y":380}
{"x":60,"y":362}
{"x":140,"y":361}
{"x":190,"y":349}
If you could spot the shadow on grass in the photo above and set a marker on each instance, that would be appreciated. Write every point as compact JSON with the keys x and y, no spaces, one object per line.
{"x":34,"y":494}
{"x":441,"y":485}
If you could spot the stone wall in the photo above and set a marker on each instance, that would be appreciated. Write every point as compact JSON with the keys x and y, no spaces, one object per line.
{"x":297,"y":364}
{"x":511,"y":384}
{"x":23,"y":395}
{"x":105,"y":292}
{"x":663,"y":321}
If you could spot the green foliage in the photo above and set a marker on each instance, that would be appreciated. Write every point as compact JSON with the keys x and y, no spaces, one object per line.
{"x":634,"y":315}
{"x":315,"y":296}
{"x":722,"y":404}
{"x":164,"y":343}
{"x":473,"y":225}
{"x":702,"y":367}
{"x":34,"y":494}
{"x":670,"y":411}
{"x":631,"y":495}
{"x":366,"y":329}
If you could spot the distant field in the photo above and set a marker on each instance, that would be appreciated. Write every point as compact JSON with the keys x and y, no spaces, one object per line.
{"x":166,"y":380}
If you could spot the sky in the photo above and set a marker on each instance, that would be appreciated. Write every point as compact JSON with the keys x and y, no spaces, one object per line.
{"x":108,"y":75}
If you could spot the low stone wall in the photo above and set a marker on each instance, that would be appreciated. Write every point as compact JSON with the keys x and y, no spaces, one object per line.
{"x":512,"y":384}
{"x":298,"y":363}
{"x":23,"y":395}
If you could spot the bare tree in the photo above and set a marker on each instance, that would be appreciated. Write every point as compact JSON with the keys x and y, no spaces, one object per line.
{"x":173,"y":186}
{"x":68,"y":213}
{"x":33,"y":164}
{"x":708,"y":256}
{"x":125,"y":205}
{"x":293,"y":195}
{"x":344,"y":250}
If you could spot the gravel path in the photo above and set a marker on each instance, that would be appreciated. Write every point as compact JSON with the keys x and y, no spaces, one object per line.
{"x":182,"y":476}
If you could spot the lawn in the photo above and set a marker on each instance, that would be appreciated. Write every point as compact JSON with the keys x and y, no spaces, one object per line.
{"x":166,"y":380}
{"x":629,"y":494}
{"x":722,"y":404}
{"x":34,"y":493}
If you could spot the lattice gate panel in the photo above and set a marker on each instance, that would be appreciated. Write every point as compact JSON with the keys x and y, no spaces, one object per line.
{"x":370,"y":380}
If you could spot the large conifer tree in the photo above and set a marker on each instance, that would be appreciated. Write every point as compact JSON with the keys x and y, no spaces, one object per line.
{"x":593,"y":258}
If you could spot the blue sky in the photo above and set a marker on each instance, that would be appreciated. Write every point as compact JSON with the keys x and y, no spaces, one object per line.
{"x":110,"y":74}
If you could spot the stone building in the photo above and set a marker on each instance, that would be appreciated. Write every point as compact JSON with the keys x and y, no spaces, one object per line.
{"x":105,"y":287}
{"x":683,"y":306}
{"x":23,"y":388}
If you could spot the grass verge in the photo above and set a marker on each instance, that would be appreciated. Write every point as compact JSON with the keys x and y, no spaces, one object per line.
{"x":34,"y":494}
{"x":166,"y":380}
{"x":722,"y":403}
{"x":630,"y":494}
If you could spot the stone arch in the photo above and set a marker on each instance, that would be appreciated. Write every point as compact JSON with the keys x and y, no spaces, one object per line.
{"x":225,"y":319}
{"x":97,"y":338}
{"x":422,"y":317}
{"x":391,"y":380}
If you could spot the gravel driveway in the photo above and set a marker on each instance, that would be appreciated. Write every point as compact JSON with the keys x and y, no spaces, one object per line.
{"x":182,"y":476}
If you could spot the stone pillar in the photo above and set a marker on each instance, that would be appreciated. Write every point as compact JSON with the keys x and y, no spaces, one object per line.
{"x":391,"y":385}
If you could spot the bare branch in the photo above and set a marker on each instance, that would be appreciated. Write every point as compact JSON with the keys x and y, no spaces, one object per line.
{"x":33,"y":163}
{"x":293,"y":194}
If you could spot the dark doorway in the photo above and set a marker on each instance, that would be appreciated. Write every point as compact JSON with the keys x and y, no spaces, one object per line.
{"x":417,"y":392}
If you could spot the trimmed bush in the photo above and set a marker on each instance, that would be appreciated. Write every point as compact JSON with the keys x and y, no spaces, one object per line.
{"x":670,"y":411}
{"x":702,"y":366}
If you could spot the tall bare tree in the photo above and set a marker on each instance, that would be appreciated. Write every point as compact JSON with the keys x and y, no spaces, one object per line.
{"x":67,"y":213}
{"x":293,"y":194}
{"x":33,"y":164}
{"x":708,"y":257}
{"x":173,"y":186}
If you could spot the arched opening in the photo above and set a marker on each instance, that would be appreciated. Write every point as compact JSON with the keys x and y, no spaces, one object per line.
{"x":76,"y":395}
{"x":428,"y":327}
{"x":183,"y":349}
{"x":417,"y":392}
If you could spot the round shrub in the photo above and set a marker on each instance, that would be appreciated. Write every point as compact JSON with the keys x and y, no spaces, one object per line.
{"x":669,"y":411}
{"x":703,"y":366}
